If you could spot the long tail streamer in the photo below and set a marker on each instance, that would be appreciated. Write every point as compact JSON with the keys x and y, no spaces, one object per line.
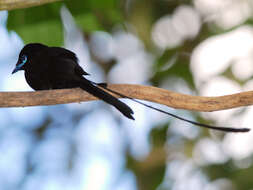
{"x":225,"y":129}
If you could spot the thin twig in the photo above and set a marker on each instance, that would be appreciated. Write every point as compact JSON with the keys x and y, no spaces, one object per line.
{"x":18,"y":4}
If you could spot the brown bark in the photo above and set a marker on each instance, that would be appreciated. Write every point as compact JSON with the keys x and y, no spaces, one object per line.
{"x":148,"y":93}
{"x":18,"y":4}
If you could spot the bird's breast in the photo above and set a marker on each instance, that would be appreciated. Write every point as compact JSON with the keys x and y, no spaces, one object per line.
{"x":37,"y":81}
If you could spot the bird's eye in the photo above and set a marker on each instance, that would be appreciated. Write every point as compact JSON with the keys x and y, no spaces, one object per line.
{"x":23,"y":59}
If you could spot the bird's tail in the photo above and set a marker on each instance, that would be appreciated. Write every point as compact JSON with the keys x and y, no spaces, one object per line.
{"x":101,"y":94}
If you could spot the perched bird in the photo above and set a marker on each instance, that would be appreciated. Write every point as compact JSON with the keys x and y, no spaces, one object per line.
{"x":57,"y":68}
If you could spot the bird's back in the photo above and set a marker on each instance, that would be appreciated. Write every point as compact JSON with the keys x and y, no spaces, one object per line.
{"x":54,"y":68}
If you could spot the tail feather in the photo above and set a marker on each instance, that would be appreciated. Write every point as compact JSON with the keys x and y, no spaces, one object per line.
{"x":101,"y":94}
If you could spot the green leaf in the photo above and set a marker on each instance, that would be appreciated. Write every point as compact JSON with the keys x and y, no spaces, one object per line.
{"x":38,"y":24}
{"x":48,"y":32}
{"x":88,"y":22}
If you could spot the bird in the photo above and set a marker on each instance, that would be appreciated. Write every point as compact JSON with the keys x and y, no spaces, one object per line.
{"x":57,"y":68}
{"x":48,"y":68}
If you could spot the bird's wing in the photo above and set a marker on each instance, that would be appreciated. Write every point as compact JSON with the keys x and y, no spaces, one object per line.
{"x":66,"y":59}
{"x":62,"y":65}
{"x":62,"y":52}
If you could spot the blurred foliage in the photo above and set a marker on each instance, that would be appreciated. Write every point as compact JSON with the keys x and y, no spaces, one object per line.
{"x":172,"y":63}
{"x":241,"y":177}
{"x":43,"y":24}
{"x":38,"y":24}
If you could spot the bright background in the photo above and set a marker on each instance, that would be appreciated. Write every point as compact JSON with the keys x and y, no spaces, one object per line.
{"x":198,"y":47}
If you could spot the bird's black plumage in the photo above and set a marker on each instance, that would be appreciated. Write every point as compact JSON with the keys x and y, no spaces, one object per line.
{"x":57,"y":68}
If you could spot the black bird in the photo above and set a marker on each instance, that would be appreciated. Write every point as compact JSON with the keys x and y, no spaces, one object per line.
{"x":57,"y":68}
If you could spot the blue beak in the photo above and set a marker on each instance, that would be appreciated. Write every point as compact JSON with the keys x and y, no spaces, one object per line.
{"x":17,"y":68}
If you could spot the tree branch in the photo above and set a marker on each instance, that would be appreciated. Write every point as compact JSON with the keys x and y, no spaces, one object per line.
{"x":18,"y":4}
{"x":149,"y":93}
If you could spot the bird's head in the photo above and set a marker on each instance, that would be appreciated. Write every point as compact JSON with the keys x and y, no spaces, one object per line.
{"x":27,"y":54}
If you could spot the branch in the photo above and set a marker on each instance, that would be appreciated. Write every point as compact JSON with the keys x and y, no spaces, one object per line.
{"x":148,"y":93}
{"x":18,"y":4}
